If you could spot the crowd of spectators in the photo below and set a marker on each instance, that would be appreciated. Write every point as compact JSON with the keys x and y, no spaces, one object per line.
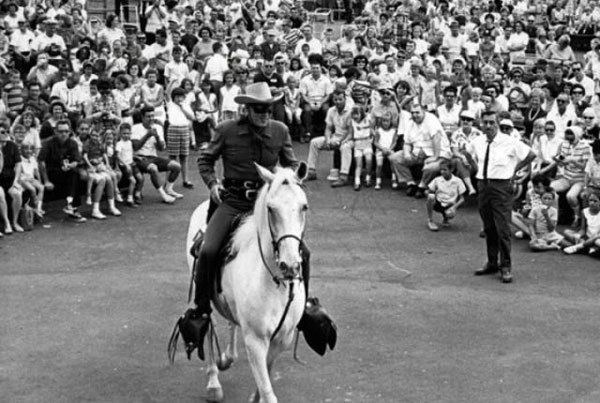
{"x":91,"y":105}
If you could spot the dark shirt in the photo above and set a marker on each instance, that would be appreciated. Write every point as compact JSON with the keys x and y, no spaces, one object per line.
{"x":47,"y":130}
{"x":93,"y":149}
{"x":241,"y":145}
{"x":269,"y":51}
{"x":54,"y":152}
{"x":12,"y":157}
{"x":189,"y":41}
{"x":42,"y":108}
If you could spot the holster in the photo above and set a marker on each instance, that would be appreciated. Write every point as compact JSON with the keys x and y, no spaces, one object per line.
{"x":193,"y":329}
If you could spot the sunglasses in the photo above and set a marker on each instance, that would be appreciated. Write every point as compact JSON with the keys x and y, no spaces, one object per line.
{"x":261,"y":108}
{"x":561,"y":101}
{"x":576,"y":69}
{"x":548,"y":129}
{"x":588,"y":117}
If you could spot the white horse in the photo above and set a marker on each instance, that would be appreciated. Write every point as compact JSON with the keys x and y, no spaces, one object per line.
{"x":262,"y":289}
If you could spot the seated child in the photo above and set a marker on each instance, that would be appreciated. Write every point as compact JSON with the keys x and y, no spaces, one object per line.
{"x":124,"y":151}
{"x":533,"y":199}
{"x":588,"y":237}
{"x":363,"y":144}
{"x":591,"y":181}
{"x":542,"y":223}
{"x":384,"y":141}
{"x":445,"y":196}
{"x":293,"y":111}
{"x":30,"y":179}
{"x":97,"y":171}
{"x":110,"y":161}
{"x":475,"y":104}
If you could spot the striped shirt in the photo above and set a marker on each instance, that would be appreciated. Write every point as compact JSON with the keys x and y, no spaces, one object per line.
{"x":14,"y":97}
{"x":292,"y":38}
{"x":581,"y":152}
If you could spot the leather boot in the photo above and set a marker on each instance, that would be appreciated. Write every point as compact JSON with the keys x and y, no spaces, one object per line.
{"x":317,"y":326}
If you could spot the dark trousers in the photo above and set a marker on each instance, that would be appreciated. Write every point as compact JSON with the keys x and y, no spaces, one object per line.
{"x":495,"y":202}
{"x":66,"y":184}
{"x":217,"y":231}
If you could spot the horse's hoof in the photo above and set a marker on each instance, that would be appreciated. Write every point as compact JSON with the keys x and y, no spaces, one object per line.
{"x":254,"y":398}
{"x":224,"y":362}
{"x":214,"y":394}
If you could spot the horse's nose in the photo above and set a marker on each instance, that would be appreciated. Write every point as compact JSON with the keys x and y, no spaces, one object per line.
{"x":289,"y":270}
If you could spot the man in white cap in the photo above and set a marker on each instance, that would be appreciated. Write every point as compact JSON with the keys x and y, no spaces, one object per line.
{"x":21,"y":40}
{"x":44,"y":40}
{"x":254,"y":138}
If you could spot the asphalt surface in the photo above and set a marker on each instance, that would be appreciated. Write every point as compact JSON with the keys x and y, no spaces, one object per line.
{"x":87,"y":310}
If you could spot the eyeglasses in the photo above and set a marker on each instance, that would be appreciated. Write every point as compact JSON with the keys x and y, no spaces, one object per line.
{"x":280,"y":63}
{"x":260,"y":108}
{"x":561,"y":101}
{"x":488,"y":122}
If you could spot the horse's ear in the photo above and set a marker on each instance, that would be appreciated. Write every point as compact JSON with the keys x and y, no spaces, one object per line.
{"x":302,"y":171}
{"x":264,"y":173}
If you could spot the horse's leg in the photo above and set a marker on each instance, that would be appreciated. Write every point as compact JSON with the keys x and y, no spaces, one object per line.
{"x":257,"y":349}
{"x":214,"y":391}
{"x":230,"y":354}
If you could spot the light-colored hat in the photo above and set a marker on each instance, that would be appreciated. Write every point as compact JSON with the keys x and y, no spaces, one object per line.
{"x":507,"y":122}
{"x":576,"y":130}
{"x":467,"y":114}
{"x":257,"y":93}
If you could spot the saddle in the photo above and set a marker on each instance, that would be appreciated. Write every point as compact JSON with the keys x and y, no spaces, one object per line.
{"x":225,"y":255}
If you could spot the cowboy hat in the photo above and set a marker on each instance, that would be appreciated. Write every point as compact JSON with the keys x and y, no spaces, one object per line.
{"x":257,"y":93}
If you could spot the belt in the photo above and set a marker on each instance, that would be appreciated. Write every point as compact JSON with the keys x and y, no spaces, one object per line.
{"x":246,"y":190}
{"x":243,"y":184}
{"x":494,"y":180}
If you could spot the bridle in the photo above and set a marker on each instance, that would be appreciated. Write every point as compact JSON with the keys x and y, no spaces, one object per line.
{"x":279,"y":280}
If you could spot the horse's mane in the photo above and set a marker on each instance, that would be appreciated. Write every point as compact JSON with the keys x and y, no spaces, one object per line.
{"x":247,"y":230}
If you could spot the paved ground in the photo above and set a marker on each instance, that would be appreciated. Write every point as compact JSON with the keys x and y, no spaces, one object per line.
{"x":87,"y":310}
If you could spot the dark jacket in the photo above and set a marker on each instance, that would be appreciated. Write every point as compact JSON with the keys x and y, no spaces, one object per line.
{"x":240,"y":145}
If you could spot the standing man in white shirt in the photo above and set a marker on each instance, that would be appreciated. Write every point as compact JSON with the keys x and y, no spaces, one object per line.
{"x":498,"y":157}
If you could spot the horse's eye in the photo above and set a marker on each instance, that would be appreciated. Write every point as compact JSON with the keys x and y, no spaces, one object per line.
{"x":305,"y":207}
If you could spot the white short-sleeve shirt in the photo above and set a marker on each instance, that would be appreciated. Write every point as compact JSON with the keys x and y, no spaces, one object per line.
{"x":505,"y":154}
{"x":149,"y":149}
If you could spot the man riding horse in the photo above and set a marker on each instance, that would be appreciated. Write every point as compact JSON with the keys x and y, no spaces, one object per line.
{"x":241,"y":143}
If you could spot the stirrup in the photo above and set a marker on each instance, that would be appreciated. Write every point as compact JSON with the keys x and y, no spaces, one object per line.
{"x":193,"y":327}
{"x":318,"y":327}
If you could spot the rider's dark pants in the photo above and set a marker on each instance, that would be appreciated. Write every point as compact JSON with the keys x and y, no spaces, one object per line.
{"x":217,"y":230}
